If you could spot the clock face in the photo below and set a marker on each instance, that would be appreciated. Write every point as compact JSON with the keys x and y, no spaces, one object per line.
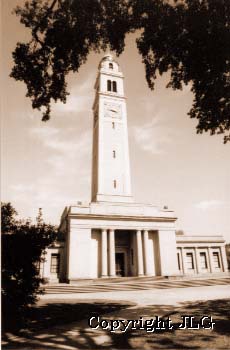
{"x":112,"y":110}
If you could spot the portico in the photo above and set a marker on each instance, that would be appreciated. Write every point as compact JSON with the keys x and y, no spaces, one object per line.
{"x":118,"y":258}
{"x":118,"y":242}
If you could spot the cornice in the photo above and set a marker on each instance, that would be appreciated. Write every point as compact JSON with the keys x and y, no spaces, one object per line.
{"x":112,"y":73}
{"x":112,"y":94}
{"x":121,"y":217}
{"x":207,"y":241}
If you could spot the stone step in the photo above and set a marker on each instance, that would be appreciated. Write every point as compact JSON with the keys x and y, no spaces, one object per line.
{"x":129,"y":285}
{"x":117,"y":280}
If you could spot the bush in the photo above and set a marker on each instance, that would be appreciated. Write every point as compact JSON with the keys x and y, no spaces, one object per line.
{"x":22,"y":246}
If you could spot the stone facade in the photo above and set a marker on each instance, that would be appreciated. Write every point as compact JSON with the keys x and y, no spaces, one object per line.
{"x":201,"y":255}
{"x":112,"y":235}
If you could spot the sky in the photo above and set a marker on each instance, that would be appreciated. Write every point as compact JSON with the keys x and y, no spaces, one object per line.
{"x":48,"y":165}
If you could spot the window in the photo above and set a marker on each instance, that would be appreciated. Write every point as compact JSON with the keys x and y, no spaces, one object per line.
{"x":110,"y":65}
{"x":114,"y":86}
{"x":114,"y":154}
{"x":203,"y":261}
{"x":114,"y":183}
{"x":216,"y":260}
{"x":178,"y":261}
{"x":113,"y":125}
{"x":189,"y":261}
{"x":109,"y":85}
{"x":55,"y":263}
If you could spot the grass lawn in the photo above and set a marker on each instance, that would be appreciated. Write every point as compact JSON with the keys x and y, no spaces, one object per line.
{"x":62,"y":324}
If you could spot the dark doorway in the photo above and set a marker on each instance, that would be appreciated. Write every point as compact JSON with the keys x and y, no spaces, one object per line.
{"x":120,"y":264}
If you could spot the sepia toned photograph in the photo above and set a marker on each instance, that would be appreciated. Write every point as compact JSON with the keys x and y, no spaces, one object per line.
{"x":115,"y":174}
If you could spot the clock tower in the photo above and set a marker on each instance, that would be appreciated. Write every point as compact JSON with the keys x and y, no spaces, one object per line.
{"x":110,"y":163}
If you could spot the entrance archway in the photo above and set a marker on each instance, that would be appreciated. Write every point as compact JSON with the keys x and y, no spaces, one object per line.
{"x":124,"y":252}
{"x":120,"y":264}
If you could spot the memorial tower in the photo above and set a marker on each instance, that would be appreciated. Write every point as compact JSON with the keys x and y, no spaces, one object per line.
{"x":110,"y":156}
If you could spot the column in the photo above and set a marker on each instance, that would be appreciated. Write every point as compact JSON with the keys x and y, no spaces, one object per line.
{"x":224,"y":258}
{"x":146,"y":251}
{"x":179,"y":251}
{"x":46,"y":265}
{"x":197,"y":261}
{"x":112,"y":272}
{"x":140,"y":270}
{"x":183,"y":256}
{"x":104,"y":270}
{"x":41,"y":268}
{"x":210,"y":260}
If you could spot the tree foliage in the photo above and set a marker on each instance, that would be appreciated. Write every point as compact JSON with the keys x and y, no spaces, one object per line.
{"x":22,"y":247}
{"x":188,"y":38}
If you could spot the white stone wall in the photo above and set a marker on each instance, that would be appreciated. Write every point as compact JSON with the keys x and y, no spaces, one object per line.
{"x":152,"y":252}
{"x":205,"y":250}
{"x":95,"y":255}
{"x":79,"y":253}
{"x":167,"y":253}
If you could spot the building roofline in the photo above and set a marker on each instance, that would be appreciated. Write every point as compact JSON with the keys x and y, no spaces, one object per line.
{"x":122,"y":217}
{"x":200,"y":239}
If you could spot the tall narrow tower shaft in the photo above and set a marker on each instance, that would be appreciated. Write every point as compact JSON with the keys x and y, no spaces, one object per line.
{"x":110,"y":163}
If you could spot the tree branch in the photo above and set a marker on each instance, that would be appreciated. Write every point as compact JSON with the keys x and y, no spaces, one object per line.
{"x":34,"y":31}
